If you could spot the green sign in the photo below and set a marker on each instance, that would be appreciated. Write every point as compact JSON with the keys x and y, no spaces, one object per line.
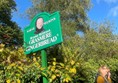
{"x":44,"y":31}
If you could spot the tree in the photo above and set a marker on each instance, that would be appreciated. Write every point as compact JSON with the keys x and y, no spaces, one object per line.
{"x":73,"y":17}
{"x":100,"y":42}
{"x":6,"y":8}
{"x":10,"y":33}
{"x":73,"y":12}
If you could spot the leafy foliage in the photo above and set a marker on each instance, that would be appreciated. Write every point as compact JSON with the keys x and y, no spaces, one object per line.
{"x":6,"y":8}
{"x":11,"y":36}
{"x":10,"y":33}
{"x":76,"y":60}
{"x":72,"y":11}
{"x":75,"y":65}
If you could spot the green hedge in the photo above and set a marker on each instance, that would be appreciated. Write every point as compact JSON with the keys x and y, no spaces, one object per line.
{"x":20,"y":69}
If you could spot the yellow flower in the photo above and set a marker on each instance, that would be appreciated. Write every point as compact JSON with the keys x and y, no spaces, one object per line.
{"x":1,"y":49}
{"x":62,"y":64}
{"x":58,"y":75}
{"x":18,"y":81}
{"x":34,"y":59}
{"x":20,"y":49}
{"x":42,"y":68}
{"x":54,"y":59}
{"x":54,"y":63}
{"x":18,"y":75}
{"x":53,"y":77}
{"x":20,"y":68}
{"x":13,"y":53}
{"x":19,"y":62}
{"x":50,"y":80}
{"x":73,"y":70}
{"x":66,"y":68}
{"x":37,"y":63}
{"x":34,"y":54}
{"x":64,"y":80}
{"x":8,"y":81}
{"x":67,"y":79}
{"x":13,"y":64}
{"x":2,"y":45}
{"x":72,"y":62}
{"x":53,"y":68}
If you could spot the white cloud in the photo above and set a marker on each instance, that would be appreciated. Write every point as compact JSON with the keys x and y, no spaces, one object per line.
{"x":113,"y":11}
{"x":107,"y":1}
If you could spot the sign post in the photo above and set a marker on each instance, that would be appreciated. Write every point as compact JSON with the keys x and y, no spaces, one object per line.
{"x":43,"y":31}
{"x":44,"y":64}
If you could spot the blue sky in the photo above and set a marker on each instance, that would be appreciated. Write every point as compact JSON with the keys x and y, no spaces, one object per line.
{"x":101,"y":10}
{"x":105,"y":9}
{"x":20,"y":15}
